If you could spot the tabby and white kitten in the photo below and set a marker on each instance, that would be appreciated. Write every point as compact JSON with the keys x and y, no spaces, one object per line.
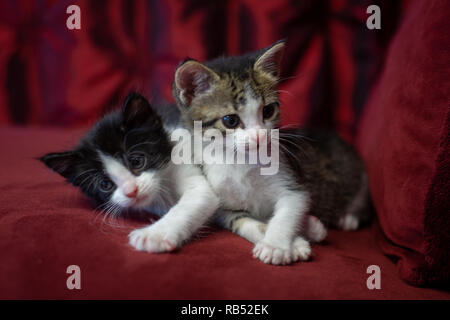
{"x":321,"y":177}
{"x":124,"y":162}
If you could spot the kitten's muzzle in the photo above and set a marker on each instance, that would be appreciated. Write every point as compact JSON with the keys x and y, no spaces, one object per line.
{"x":130,"y":190}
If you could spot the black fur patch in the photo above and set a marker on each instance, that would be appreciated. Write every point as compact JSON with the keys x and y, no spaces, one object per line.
{"x":135,"y":128}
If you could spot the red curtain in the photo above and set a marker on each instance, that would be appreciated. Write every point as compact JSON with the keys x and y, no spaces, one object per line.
{"x":50,"y":75}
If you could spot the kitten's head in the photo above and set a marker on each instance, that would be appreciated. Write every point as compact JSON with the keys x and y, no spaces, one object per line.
{"x":119,"y":161}
{"x":231,"y":93}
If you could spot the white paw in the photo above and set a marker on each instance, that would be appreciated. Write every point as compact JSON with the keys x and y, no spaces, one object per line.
{"x":348,"y":222}
{"x":155,"y":238}
{"x":315,"y":230}
{"x":271,"y":255}
{"x":300,"y":250}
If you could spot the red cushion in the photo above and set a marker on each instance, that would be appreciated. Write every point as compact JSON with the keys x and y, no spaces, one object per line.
{"x":405,"y":143}
{"x":46,"y":225}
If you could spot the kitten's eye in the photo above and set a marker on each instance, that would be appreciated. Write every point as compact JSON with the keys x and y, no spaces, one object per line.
{"x":106,"y":185}
{"x":269,"y":110}
{"x":231,"y":121}
{"x":137,"y":162}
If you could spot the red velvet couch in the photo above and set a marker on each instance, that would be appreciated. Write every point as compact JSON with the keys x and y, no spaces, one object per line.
{"x":401,"y":130}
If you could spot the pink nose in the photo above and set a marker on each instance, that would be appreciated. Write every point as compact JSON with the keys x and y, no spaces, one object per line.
{"x":259,"y":136}
{"x":131,"y":192}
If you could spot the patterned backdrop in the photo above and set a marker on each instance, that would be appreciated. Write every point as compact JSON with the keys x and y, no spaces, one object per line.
{"x":50,"y":75}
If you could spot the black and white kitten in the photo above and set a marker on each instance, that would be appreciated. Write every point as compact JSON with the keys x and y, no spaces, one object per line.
{"x":322,"y":178}
{"x":124,"y":162}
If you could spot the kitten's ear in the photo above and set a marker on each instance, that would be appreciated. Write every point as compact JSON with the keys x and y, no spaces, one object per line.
{"x":63,"y":163}
{"x":137,"y":110}
{"x":193,"y":79}
{"x":269,"y":62}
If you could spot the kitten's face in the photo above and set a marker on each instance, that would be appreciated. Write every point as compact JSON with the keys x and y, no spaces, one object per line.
{"x":119,"y":161}
{"x":235,"y":93}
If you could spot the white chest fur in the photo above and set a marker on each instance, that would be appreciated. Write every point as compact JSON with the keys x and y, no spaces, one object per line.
{"x":242,"y":187}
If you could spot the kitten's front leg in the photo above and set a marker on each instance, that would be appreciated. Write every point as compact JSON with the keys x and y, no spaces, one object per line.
{"x":280,"y":244}
{"x":158,"y":237}
{"x":196,"y":205}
